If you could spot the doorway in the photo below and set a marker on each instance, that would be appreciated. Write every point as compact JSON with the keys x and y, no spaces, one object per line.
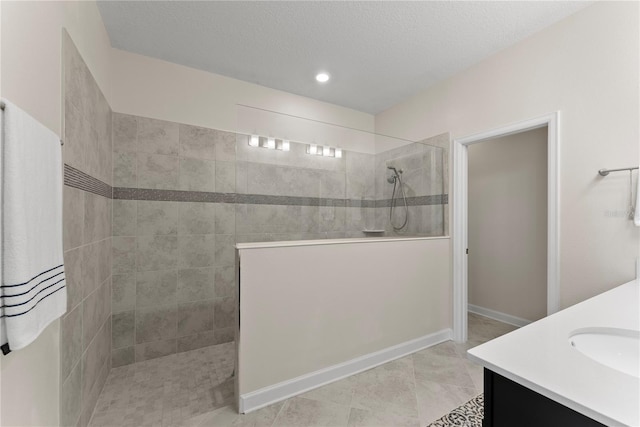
{"x":507,"y":201}
{"x":460,"y":223}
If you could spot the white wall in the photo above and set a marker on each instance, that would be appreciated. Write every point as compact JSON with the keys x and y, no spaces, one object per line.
{"x":304,"y":308}
{"x":30,"y":70}
{"x":508,"y":224}
{"x":154,"y":88}
{"x":31,"y":53}
{"x":586,"y":67}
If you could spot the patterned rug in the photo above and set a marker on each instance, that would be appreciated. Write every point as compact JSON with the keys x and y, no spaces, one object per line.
{"x":468,"y":415}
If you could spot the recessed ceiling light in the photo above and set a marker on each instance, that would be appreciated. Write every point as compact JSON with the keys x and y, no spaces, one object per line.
{"x":322,"y":77}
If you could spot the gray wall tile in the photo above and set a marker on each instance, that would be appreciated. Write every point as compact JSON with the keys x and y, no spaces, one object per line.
{"x":197,"y":250}
{"x":155,"y":324}
{"x":225,"y":281}
{"x":122,"y":356}
{"x":332,"y":218}
{"x":197,"y":218}
{"x":193,"y":342}
{"x":333,"y":185}
{"x":310,"y":219}
{"x":90,"y":398}
{"x":155,"y":349}
{"x":124,"y":217}
{"x":73,"y":217}
{"x":156,"y":252}
{"x":124,"y":254}
{"x":125,"y":170}
{"x":73,"y":276}
{"x":157,"y":136}
{"x":297,"y":182}
{"x":225,"y":177}
{"x":70,"y":341}
{"x":360,"y":186}
{"x":262,"y":179}
{"x":123,"y":329}
{"x":77,"y":132}
{"x":125,"y":131}
{"x":156,"y":288}
{"x":197,"y":142}
{"x":225,"y":249}
{"x":242,"y":177}
{"x":104,"y":260}
{"x":87,"y":221}
{"x":93,"y":361}
{"x":157,"y":218}
{"x":195,"y":317}
{"x":197,"y":175}
{"x":157,"y":171}
{"x":90,"y":268}
{"x":97,"y":217}
{"x":224,"y":335}
{"x":224,"y":312}
{"x":71,"y":397}
{"x":225,"y":143}
{"x":196,"y":284}
{"x":95,"y":312}
{"x":225,"y":218}
{"x":123,"y":292}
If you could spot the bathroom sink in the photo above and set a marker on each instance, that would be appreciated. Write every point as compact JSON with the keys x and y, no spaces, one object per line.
{"x":617,"y":349}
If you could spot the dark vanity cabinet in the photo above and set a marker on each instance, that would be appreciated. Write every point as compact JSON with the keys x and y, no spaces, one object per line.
{"x":509,"y":404}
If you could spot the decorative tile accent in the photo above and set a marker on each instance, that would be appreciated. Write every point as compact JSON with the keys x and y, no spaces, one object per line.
{"x":78,"y":179}
{"x":121,"y":193}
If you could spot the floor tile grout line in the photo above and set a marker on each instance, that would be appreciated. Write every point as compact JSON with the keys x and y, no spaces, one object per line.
{"x":279,"y":412}
{"x":415,"y":387}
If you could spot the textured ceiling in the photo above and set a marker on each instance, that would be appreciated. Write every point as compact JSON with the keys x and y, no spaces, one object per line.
{"x":378,"y":53}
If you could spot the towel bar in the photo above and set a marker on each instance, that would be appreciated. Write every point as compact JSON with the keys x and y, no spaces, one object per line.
{"x":605,"y":172}
{"x":2,"y":108}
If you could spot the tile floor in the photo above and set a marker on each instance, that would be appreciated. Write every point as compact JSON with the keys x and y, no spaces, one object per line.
{"x":196,"y":389}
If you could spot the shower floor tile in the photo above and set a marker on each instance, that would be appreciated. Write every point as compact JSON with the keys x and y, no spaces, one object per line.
{"x":168,"y":390}
{"x":196,"y":389}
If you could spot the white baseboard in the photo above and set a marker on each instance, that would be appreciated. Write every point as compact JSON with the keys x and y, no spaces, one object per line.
{"x":496,"y":315}
{"x":266,"y":396}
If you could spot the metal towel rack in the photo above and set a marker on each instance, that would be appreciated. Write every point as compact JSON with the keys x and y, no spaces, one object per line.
{"x":2,"y":105}
{"x":605,"y":172}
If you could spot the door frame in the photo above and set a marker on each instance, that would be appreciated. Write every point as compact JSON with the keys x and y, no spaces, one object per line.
{"x":460,"y":213}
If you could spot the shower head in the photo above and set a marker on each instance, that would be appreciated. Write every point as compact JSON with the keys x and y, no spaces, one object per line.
{"x":396,"y":174}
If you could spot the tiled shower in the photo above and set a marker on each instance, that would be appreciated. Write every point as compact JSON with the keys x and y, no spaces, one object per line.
{"x":153,"y":210}
{"x":184,"y":195}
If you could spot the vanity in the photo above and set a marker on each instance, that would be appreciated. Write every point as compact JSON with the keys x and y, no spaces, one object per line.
{"x":578,"y":367}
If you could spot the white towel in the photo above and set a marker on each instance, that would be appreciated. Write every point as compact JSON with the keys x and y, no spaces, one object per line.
{"x":33,"y":281}
{"x":636,"y":216}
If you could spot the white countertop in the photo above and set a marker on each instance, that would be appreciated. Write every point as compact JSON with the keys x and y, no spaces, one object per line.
{"x":540,"y":357}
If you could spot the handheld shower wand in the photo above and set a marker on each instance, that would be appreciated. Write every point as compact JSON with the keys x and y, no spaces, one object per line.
{"x":396,"y":179}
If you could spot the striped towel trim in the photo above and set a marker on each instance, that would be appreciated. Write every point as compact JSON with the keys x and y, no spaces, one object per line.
{"x":16,"y":305}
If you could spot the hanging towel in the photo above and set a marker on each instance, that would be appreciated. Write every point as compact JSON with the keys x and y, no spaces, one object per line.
{"x":636,"y":216}
{"x":33,"y":280}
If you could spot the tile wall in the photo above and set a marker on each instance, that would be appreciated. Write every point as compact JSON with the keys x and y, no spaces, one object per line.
{"x":85,"y":339}
{"x":184,"y":195}
{"x":307,"y":197}
{"x":173,"y":252}
{"x":425,"y":178}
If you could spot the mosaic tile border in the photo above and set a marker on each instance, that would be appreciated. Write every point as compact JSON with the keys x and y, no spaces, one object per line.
{"x":76,"y":178}
{"x":121,"y":193}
